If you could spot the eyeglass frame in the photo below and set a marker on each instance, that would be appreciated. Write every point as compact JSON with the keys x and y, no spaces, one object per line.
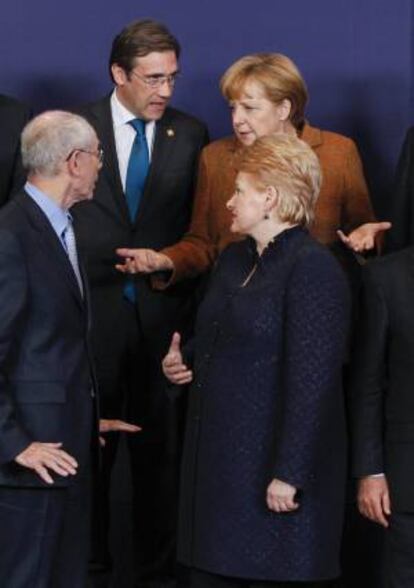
{"x":157,"y":80}
{"x":99,"y":153}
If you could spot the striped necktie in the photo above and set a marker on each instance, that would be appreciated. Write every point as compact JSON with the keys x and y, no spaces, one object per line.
{"x":69,"y":240}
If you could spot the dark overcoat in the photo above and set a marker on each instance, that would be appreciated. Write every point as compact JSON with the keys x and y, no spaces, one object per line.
{"x":266,"y":402}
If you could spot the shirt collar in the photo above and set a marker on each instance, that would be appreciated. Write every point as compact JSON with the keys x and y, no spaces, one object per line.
{"x":121,"y":115}
{"x":58,"y":217}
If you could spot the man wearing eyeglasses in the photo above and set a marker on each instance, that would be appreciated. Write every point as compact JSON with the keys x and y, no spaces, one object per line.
{"x":143,"y":199}
{"x":47,"y":391}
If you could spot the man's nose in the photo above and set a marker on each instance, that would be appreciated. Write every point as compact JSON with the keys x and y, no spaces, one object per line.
{"x":165,"y":89}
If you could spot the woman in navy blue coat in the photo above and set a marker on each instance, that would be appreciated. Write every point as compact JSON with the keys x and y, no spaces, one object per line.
{"x":263,"y":472}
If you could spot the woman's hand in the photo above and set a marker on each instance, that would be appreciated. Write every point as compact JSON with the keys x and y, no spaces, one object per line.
{"x":280,"y":496}
{"x":172,"y":365}
{"x":144,"y":261}
{"x":363,"y":238}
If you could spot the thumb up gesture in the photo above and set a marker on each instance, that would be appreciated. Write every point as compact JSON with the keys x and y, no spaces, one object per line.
{"x":172,"y":365}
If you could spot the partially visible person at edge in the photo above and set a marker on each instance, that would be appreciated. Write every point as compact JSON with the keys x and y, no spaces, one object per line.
{"x":266,"y":94}
{"x":13,"y":117}
{"x":263,"y":473}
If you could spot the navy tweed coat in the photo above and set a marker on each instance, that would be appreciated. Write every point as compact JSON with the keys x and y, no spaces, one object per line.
{"x":266,"y":402}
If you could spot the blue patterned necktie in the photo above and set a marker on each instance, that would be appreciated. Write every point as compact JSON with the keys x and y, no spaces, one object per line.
{"x":69,"y":240}
{"x":137,"y":172}
{"x":138,"y":166}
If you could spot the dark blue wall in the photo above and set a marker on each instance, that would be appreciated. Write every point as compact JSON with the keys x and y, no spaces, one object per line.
{"x":356,"y":56}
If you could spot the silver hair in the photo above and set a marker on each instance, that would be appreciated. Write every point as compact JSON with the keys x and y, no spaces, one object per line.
{"x":50,"y":137}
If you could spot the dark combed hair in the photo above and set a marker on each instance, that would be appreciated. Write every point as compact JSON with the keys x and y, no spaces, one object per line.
{"x":138,"y":39}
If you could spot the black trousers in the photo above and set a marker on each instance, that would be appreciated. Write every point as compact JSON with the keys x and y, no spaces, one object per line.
{"x":44,"y":536}
{"x":133,"y":387}
{"x":200,"y":579}
{"x":399,"y":552}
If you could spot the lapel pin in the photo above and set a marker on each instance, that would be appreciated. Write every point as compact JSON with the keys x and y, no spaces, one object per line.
{"x":170,"y":132}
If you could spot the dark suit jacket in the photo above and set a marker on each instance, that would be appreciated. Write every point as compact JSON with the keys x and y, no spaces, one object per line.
{"x":46,"y":377}
{"x":164,"y":214}
{"x":13,"y":117}
{"x":383,"y":377}
{"x":401,"y":212}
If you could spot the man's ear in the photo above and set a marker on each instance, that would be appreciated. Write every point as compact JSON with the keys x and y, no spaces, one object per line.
{"x":119,"y":74}
{"x":72,"y":165}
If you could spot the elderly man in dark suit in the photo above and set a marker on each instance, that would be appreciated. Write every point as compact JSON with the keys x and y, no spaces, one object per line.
{"x":13,"y":116}
{"x":383,"y":410}
{"x":143,"y":199}
{"x":47,"y":398}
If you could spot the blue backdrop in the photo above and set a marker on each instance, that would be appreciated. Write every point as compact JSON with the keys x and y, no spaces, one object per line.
{"x":356,"y":56}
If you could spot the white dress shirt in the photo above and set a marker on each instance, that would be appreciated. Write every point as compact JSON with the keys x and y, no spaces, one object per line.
{"x":125,"y":135}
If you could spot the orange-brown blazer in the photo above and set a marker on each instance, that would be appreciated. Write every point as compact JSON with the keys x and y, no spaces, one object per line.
{"x":343,"y":201}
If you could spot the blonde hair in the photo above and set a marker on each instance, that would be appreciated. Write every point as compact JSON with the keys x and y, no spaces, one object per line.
{"x":277,"y":74}
{"x":289,"y":165}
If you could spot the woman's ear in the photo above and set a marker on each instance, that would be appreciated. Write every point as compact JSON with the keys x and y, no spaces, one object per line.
{"x":272,"y":196}
{"x":284,"y":108}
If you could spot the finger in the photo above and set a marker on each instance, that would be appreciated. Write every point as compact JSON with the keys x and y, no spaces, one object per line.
{"x":63,"y":456}
{"x":102,"y":441}
{"x":125,"y":252}
{"x":176,"y":368}
{"x":343,"y":237}
{"x":43,"y":474}
{"x":184,"y":379}
{"x":121,"y":268}
{"x":59,"y":465}
{"x":386,"y":503}
{"x":56,"y":445}
{"x":377,"y":514}
{"x":118,"y":425}
{"x":383,"y":226}
{"x":175,"y":343}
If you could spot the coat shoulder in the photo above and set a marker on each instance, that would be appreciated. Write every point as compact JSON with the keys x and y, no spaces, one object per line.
{"x":320,"y":138}
{"x":12,"y":105}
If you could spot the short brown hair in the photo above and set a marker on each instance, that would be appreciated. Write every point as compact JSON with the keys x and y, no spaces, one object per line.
{"x":291,"y":166}
{"x":138,"y":39}
{"x":279,"y":77}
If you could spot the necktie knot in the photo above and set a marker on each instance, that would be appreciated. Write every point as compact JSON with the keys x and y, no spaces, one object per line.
{"x":139,"y":125}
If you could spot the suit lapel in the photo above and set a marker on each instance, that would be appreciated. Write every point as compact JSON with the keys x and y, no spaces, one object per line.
{"x":164,"y":143}
{"x":51,"y":244}
{"x":101,"y":118}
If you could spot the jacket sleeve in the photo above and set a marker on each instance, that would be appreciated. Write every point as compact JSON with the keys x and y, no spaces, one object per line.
{"x":13,"y":297}
{"x":315,"y":335}
{"x":195,"y":253}
{"x":367,"y":383}
{"x":401,"y":208}
{"x":357,"y":204}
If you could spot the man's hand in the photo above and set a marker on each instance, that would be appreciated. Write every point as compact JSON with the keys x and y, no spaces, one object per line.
{"x":42,"y":457}
{"x":280,"y":496}
{"x":115,"y":425}
{"x":144,"y":261}
{"x":363,"y":238}
{"x":172,"y":365}
{"x":374,"y":499}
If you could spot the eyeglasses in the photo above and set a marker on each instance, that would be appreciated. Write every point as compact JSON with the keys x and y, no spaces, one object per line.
{"x":99,"y":153}
{"x":157,"y":80}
